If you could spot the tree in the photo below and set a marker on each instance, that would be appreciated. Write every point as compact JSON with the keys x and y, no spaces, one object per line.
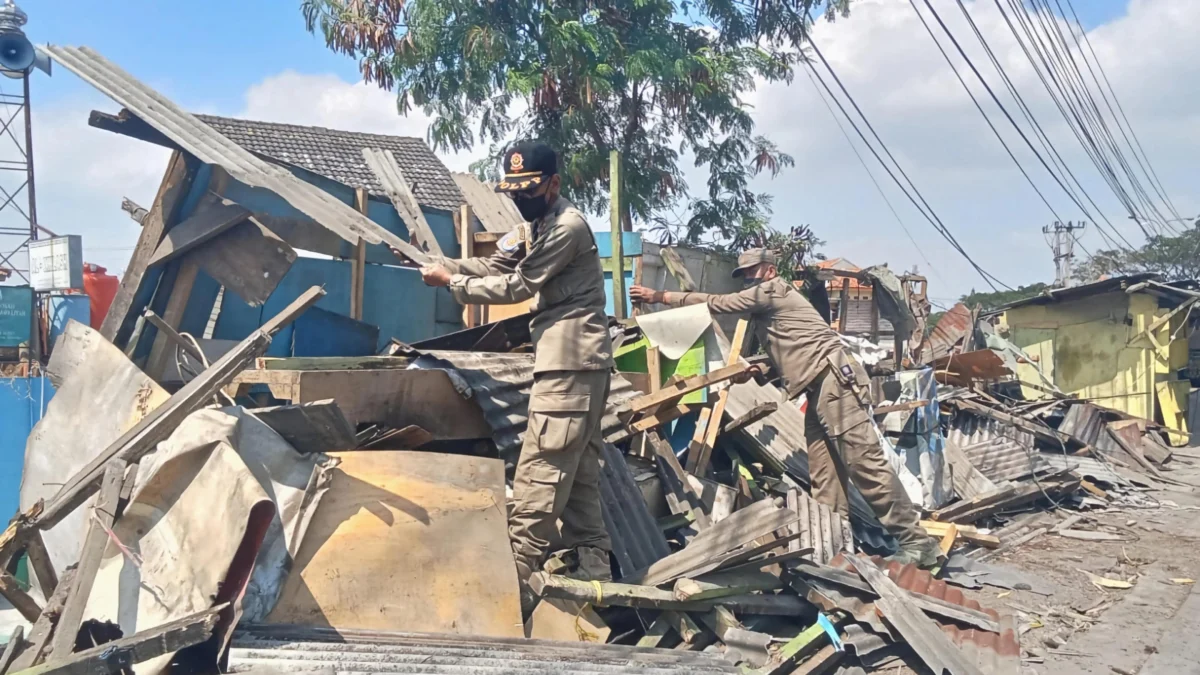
{"x":1174,"y":258}
{"x":988,"y":301}
{"x":655,"y":79}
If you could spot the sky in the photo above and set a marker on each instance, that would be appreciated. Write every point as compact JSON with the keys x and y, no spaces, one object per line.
{"x":256,"y":60}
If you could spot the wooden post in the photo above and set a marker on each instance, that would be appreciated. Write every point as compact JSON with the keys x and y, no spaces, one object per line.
{"x":467,"y":250}
{"x":654,"y":368}
{"x":615,"y":208}
{"x":358,"y":266}
{"x":843,"y":305}
{"x":181,"y":292}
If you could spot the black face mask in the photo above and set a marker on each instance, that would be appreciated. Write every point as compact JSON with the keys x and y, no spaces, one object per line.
{"x":532,"y":207}
{"x":750,"y":282}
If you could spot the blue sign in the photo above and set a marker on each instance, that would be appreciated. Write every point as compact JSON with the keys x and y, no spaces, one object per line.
{"x":16,"y":308}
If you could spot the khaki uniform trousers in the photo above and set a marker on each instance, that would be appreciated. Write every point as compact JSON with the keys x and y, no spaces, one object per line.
{"x":558,"y":473}
{"x":843,"y":448}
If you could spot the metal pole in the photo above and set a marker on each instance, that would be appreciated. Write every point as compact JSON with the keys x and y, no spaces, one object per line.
{"x":35,"y":336}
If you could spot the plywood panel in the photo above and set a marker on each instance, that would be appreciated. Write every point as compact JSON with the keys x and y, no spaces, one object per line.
{"x":408,"y":541}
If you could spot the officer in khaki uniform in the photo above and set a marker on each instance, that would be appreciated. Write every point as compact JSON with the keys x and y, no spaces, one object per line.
{"x":554,"y":258}
{"x":842,"y":443}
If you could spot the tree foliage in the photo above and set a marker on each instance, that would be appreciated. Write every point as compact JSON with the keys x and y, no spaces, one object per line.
{"x":1173,"y":258}
{"x":656,"y":79}
{"x":996,"y":299}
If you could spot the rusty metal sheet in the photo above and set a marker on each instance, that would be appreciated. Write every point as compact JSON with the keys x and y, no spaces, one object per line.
{"x":407,"y":541}
{"x":993,"y":653}
{"x":964,"y":368}
{"x":950,"y":329}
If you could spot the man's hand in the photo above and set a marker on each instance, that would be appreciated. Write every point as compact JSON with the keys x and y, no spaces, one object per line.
{"x":435,"y":275}
{"x":751,"y":373}
{"x":643,"y":294}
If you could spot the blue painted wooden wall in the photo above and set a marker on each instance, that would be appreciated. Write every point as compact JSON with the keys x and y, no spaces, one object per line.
{"x":22,"y":402}
{"x":394,"y":298}
{"x":631,"y":247}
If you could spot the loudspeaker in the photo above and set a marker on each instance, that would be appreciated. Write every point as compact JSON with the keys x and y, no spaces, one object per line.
{"x":16,"y":52}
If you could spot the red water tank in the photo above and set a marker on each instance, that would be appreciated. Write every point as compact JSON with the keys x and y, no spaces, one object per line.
{"x":101,"y":288}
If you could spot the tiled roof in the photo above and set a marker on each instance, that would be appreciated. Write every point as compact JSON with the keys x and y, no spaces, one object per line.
{"x":338,"y":155}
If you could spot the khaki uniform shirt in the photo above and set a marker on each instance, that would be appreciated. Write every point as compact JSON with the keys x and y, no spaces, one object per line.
{"x":561,"y":267}
{"x":796,"y":338}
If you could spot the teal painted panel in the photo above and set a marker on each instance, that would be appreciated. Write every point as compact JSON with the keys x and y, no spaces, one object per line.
{"x":16,"y":312}
{"x":22,"y":403}
{"x":631,"y":243}
{"x":609,"y":305}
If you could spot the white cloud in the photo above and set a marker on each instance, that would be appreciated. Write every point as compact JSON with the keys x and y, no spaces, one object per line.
{"x":888,"y":62}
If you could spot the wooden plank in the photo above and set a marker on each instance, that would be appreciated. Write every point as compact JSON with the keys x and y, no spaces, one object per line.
{"x":358,"y":264}
{"x":333,"y":363}
{"x":119,"y":655}
{"x":648,"y":597}
{"x":755,"y":414}
{"x":663,"y":416}
{"x":40,"y":563}
{"x":844,"y":306}
{"x":948,"y":539}
{"x":172,"y":335}
{"x":922,"y":634}
{"x":671,"y":393}
{"x":968,"y":533}
{"x":397,"y":398}
{"x":383,"y":164}
{"x":654,"y":368}
{"x":466,"y":244}
{"x":249,"y":260}
{"x":171,"y":192}
{"x":155,"y":427}
{"x":899,"y":407}
{"x":104,"y":513}
{"x":21,"y":601}
{"x":180,"y":291}
{"x":43,"y":629}
{"x":721,"y":584}
{"x":718,"y":414}
{"x":653,"y":637}
{"x":616,"y":211}
{"x":697,"y":442}
{"x":677,"y":269}
{"x":15,"y":640}
{"x":211,"y":218}
{"x":319,"y":426}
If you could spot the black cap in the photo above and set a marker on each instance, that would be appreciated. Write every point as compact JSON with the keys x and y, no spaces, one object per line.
{"x":526,"y":165}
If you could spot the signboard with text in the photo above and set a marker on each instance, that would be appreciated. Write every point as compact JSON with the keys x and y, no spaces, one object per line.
{"x":16,"y":310}
{"x":56,"y":264}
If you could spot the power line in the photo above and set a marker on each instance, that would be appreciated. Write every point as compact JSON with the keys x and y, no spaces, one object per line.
{"x":991,"y":93}
{"x":929,"y":215}
{"x":871,"y":175}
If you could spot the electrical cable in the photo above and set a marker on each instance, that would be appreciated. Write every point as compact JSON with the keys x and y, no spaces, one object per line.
{"x":929,"y":215}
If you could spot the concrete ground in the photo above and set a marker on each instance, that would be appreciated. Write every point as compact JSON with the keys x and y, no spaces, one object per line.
{"x":1150,"y":628}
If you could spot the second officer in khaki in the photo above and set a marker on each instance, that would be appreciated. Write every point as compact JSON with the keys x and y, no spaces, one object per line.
{"x":554,"y":258}
{"x":843,"y":447}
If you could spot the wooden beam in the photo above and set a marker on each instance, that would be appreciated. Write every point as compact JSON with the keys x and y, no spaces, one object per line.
{"x":171,"y":192}
{"x":250,"y":260}
{"x":120,"y":655}
{"x":663,"y":416}
{"x":173,"y":336}
{"x":40,"y":563}
{"x":155,"y":427}
{"x":467,"y":250}
{"x":714,"y":426}
{"x":308,"y":363}
{"x":755,"y":414}
{"x":654,"y":368}
{"x":671,"y":393}
{"x":398,"y":188}
{"x":358,"y":265}
{"x":15,"y":640}
{"x":844,"y":306}
{"x":210,"y":219}
{"x":616,"y":210}
{"x":43,"y":629}
{"x":21,"y":601}
{"x":181,"y":292}
{"x":675,"y":480}
{"x":648,"y":597}
{"x":104,"y":514}
{"x":695,"y":447}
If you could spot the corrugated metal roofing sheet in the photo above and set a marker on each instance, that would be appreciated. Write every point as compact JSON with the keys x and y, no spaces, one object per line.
{"x":1086,"y":467}
{"x":495,"y":212}
{"x":1083,"y":421}
{"x":994,"y":653}
{"x":637,"y":540}
{"x":825,"y":532}
{"x":1000,"y":452}
{"x":778,"y":439}
{"x":501,"y":383}
{"x":211,"y":147}
{"x":296,"y":649}
{"x":951,"y":328}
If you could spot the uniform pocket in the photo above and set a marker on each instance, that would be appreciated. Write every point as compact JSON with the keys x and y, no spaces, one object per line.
{"x":557,"y":431}
{"x":555,"y":402}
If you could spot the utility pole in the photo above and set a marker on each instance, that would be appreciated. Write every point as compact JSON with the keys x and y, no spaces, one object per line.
{"x":1062,"y":243}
